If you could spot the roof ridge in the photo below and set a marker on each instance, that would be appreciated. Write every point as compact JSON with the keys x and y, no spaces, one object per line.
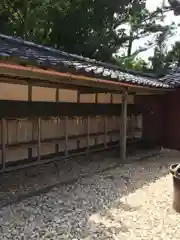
{"x":78,"y":57}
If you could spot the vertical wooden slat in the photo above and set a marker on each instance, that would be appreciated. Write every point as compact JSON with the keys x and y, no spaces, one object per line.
{"x":39,"y":139}
{"x":96,"y":101}
{"x":57,"y":122}
{"x":7,"y":130}
{"x":105,"y":131}
{"x":132,"y":126}
{"x":3,"y":141}
{"x":29,"y":92}
{"x":123,"y":133}
{"x":88,"y":133}
{"x":57,"y":94}
{"x":78,"y":97}
{"x":66,"y":135}
{"x":17,"y":132}
{"x":96,"y":98}
{"x":111,"y":99}
{"x":96,"y":129}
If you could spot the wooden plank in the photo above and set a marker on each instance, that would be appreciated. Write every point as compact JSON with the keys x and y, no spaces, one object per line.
{"x":105,"y":131}
{"x":59,"y":140}
{"x":3,"y":142}
{"x":123,"y":129}
{"x":29,"y":92}
{"x":117,"y":98}
{"x":54,"y":158}
{"x":78,"y":97}
{"x":87,"y":98}
{"x":57,"y":94}
{"x":96,"y":98}
{"x":88,"y":133}
{"x":14,"y":92}
{"x":70,"y":78}
{"x":66,"y":135}
{"x":66,"y":95}
{"x":43,"y":94}
{"x":104,"y":98}
{"x":111,"y":100}
{"x":39,"y":139}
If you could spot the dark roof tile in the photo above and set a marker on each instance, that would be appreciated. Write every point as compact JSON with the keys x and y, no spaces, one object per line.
{"x":62,"y":61}
{"x":172,"y":78}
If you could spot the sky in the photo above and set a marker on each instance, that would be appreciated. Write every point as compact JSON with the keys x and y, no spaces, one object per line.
{"x":151,"y":6}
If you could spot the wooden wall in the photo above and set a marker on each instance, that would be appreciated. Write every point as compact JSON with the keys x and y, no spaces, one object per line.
{"x":39,"y":122}
{"x":19,"y":92}
{"x":171,"y":120}
{"x":60,"y":135}
{"x":151,"y":107}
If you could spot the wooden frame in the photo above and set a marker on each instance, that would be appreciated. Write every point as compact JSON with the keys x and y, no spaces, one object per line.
{"x":33,"y":78}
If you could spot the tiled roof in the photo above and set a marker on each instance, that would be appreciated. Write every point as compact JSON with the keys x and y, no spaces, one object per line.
{"x":172,"y":78}
{"x":46,"y":57}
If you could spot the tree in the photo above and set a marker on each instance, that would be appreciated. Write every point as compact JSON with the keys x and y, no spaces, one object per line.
{"x":136,"y":63}
{"x":82,"y":27}
{"x":161,"y":59}
{"x":142,"y":23}
{"x":173,"y":56}
{"x":175,"y":4}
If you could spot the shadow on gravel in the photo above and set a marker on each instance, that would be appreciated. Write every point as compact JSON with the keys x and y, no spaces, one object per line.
{"x":83,"y":187}
{"x":33,"y":181}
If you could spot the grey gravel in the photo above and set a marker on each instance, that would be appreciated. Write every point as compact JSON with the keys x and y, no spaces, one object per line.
{"x":130,"y":201}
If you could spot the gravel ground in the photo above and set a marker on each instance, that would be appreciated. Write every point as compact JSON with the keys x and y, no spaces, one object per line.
{"x":111,"y":201}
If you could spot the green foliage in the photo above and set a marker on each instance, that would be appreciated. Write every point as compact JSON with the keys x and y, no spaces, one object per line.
{"x":142,"y":23}
{"x":85,"y":27}
{"x":173,"y":56}
{"x":161,"y":59}
{"x":93,"y":28}
{"x":134,"y":63}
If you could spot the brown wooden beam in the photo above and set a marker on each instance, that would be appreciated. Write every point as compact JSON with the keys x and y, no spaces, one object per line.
{"x":41,"y":83}
{"x":88,"y":88}
{"x":53,"y":76}
{"x":98,"y":90}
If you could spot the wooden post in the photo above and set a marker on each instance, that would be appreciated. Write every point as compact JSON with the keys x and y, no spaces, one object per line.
{"x":78,"y":97}
{"x":88,"y":133}
{"x":123,"y":133}
{"x":66,"y":135}
{"x":105,"y":131}
{"x":3,"y":141}
{"x":39,"y":139}
{"x":96,"y":98}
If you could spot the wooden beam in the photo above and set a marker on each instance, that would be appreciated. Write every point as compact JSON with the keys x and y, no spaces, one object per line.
{"x":98,"y":90}
{"x":40,"y":83}
{"x":123,"y":129}
{"x":87,"y":87}
{"x":53,"y":76}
